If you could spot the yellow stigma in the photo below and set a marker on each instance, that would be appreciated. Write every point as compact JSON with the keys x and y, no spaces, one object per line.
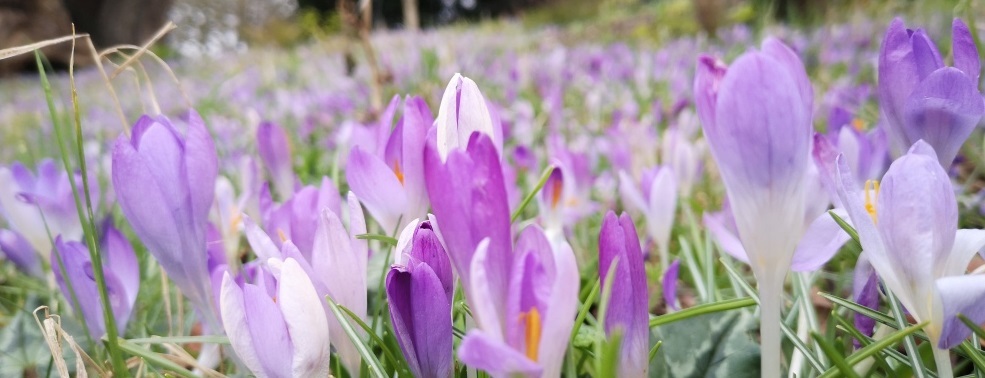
{"x":280,"y":233}
{"x":858,"y":124}
{"x":871,"y":194}
{"x":532,"y":334}
{"x":235,"y":221}
{"x":398,"y":172}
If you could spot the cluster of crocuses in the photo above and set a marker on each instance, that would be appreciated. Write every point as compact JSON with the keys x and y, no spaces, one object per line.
{"x":521,"y":280}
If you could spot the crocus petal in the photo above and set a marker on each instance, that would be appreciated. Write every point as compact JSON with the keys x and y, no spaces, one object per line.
{"x":822,"y":240}
{"x":421,"y":316}
{"x":84,"y":295}
{"x":943,"y":111}
{"x":404,"y":242}
{"x":485,"y":352}
{"x":670,"y":284}
{"x":260,"y":242}
{"x":897,"y":78}
{"x":865,"y":291}
{"x":122,"y":262}
{"x":967,"y":243}
{"x":791,"y":62}
{"x":632,"y":197}
{"x":484,"y":308}
{"x":275,"y":152}
{"x":378,"y":187}
{"x":925,"y":53}
{"x":268,"y":331}
{"x":559,"y":316}
{"x":428,"y":249}
{"x":306,"y":321}
{"x":462,"y":111}
{"x":707,"y":80}
{"x":19,"y":251}
{"x":629,"y":301}
{"x":233,"y":313}
{"x":661,"y":209}
{"x":959,"y":295}
{"x":417,"y":120}
{"x":964,"y":50}
{"x":725,"y":238}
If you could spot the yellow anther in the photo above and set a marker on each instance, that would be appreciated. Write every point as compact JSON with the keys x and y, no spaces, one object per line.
{"x":871,"y":195}
{"x":532,"y":334}
{"x":398,"y":172}
{"x":858,"y":124}
{"x":235,"y":220}
{"x":280,"y":233}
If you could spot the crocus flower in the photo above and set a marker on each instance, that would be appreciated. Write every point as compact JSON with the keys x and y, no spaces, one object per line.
{"x":419,"y":292}
{"x":463,"y":110}
{"x":670,"y":285}
{"x":297,"y":218}
{"x":657,"y":201}
{"x":756,"y":117}
{"x":468,"y":197}
{"x":277,"y":328}
{"x":908,"y":230}
{"x":682,"y":153}
{"x":391,"y":184}
{"x":924,"y":99}
{"x":20,"y":252}
{"x":541,"y":302}
{"x":164,"y":183}
{"x":629,"y":305}
{"x":121,"y":273}
{"x":36,"y":204}
{"x":275,"y":152}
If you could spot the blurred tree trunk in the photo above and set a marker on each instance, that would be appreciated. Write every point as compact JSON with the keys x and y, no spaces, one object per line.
{"x":114,"y":22}
{"x":23,"y":22}
{"x":411,"y":19}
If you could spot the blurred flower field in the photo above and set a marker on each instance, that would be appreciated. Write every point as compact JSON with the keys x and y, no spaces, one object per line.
{"x":505,"y":200}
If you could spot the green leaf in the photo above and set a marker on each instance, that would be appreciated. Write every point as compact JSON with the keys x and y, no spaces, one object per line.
{"x":704,"y":309}
{"x":530,"y":196}
{"x":398,"y":357}
{"x":845,"y":226}
{"x":834,"y":355}
{"x":389,"y":241}
{"x":878,"y":316}
{"x":719,"y":344}
{"x":181,"y":340}
{"x":585,"y":307}
{"x":875,"y":348}
{"x":611,"y":356}
{"x":974,"y":327}
{"x":368,"y":357}
{"x":152,"y":358}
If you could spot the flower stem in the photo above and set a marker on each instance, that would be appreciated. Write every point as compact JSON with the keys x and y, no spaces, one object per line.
{"x":943,"y":359}
{"x":770,"y":292}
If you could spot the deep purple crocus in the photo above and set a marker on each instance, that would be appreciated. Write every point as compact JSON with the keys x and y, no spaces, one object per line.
{"x":527,"y":333}
{"x":120,"y":271}
{"x":419,"y":292}
{"x":391,"y":184}
{"x":275,"y":152}
{"x":923,"y":99}
{"x":165,"y":185}
{"x":756,"y":117}
{"x":908,"y":230}
{"x":629,"y":304}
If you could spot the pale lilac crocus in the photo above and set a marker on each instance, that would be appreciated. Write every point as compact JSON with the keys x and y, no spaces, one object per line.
{"x":908,"y":230}
{"x":275,"y":152}
{"x":923,"y":99}
{"x":682,"y":152}
{"x":34,"y":204}
{"x":296,"y":219}
{"x":756,"y":117}
{"x":463,"y":111}
{"x":656,"y":199}
{"x":277,"y":326}
{"x":391,"y":184}
{"x":527,"y":333}
{"x":20,"y":252}
{"x":419,"y":292}
{"x":629,"y":305}
{"x":121,"y":273}
{"x":165,"y":185}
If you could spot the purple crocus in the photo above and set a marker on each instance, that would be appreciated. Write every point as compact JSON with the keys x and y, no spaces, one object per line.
{"x":34,"y":204}
{"x":629,"y":305}
{"x":20,"y":252}
{"x":463,"y":110}
{"x":756,"y":117}
{"x":908,"y":230}
{"x":275,"y":152}
{"x":530,"y":339}
{"x":468,"y":197}
{"x":120,"y":271}
{"x":296,"y":219}
{"x":277,"y":326}
{"x":419,"y":292}
{"x":923,"y":99}
{"x":165,"y":185}
{"x":391,"y":184}
{"x":656,"y":199}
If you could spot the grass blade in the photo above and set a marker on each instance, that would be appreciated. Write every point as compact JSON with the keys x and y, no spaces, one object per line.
{"x":530,"y":196}
{"x":368,"y":357}
{"x":155,"y":359}
{"x":833,"y":354}
{"x":874,"y":348}
{"x":704,"y":309}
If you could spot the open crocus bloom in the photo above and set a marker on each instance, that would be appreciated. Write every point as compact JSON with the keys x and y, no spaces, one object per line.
{"x":33,"y":205}
{"x":463,"y":110}
{"x":390,"y":181}
{"x":921,"y":97}
{"x":908,"y":230}
{"x":277,"y":327}
{"x":527,"y":334}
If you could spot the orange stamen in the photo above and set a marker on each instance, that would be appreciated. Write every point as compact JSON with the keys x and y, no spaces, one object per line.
{"x":398,"y":172}
{"x":533,"y":332}
{"x":871,"y":194}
